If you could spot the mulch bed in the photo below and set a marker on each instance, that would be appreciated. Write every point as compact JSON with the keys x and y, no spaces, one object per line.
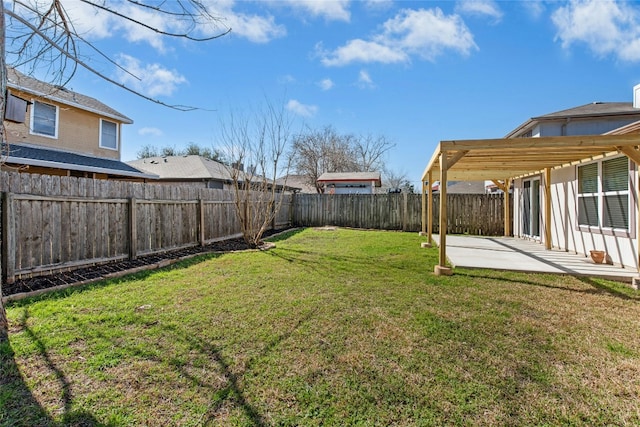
{"x":103,"y":271}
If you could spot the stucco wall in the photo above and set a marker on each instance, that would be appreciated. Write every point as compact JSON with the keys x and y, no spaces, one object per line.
{"x":78,"y":131}
{"x":565,"y":233}
{"x":354,"y":187}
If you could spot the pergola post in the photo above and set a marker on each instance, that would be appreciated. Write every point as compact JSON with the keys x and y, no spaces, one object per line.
{"x":441,"y":269}
{"x":430,"y":208}
{"x":547,"y":208}
{"x":423,"y":231}
{"x":507,"y":207}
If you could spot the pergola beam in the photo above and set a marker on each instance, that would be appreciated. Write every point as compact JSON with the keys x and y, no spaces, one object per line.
{"x":632,"y":153}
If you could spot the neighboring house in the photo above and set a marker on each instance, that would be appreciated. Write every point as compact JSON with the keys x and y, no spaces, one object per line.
{"x":574,"y":175}
{"x":195,"y":171}
{"x":463,"y":187}
{"x":350,"y":182}
{"x":187,"y":170}
{"x":54,"y":131}
{"x":299,"y":182}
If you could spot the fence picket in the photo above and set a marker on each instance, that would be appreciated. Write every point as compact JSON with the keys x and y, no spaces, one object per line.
{"x":480,"y":214}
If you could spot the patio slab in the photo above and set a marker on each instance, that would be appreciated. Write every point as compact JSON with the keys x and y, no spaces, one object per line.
{"x":508,"y":253}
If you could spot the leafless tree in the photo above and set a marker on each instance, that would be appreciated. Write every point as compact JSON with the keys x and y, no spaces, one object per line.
{"x":325,"y":150}
{"x":42,"y":35}
{"x":370,"y":151}
{"x":397,"y":180}
{"x":258,"y":148}
{"x":394,"y":179}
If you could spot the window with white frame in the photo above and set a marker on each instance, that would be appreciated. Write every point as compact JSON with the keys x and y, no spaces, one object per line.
{"x":44,"y":119}
{"x":603,"y":194}
{"x":108,"y":135}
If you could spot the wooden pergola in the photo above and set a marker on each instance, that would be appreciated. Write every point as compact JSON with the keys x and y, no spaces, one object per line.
{"x":504,"y":159}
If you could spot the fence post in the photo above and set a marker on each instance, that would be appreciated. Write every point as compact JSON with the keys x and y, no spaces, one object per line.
{"x":405,"y":211}
{"x":200,"y":220}
{"x":292,"y":209}
{"x":133,"y":230}
{"x":8,"y":238}
{"x":274,"y":213}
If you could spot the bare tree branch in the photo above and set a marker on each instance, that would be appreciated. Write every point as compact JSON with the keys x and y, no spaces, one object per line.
{"x":317,"y":152}
{"x":93,"y":70}
{"x":154,"y":29}
{"x":257,"y":148}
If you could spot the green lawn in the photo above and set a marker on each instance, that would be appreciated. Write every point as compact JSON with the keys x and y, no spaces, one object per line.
{"x":329,"y":328}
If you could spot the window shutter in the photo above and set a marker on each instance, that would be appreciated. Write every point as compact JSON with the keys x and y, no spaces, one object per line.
{"x":616,"y":211}
{"x":615,"y":174}
{"x":588,"y":210}
{"x":16,"y":109}
{"x":588,"y":178}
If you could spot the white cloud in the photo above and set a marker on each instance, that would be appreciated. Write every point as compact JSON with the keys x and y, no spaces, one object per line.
{"x":150,"y":132}
{"x":257,"y":29}
{"x":300,"y":109}
{"x":361,"y":51}
{"x":333,"y":10}
{"x":534,"y":8}
{"x":423,"y":33}
{"x":326,"y":84}
{"x":481,"y":8}
{"x":378,"y":4}
{"x":605,"y":27}
{"x":365,"y":80}
{"x":95,"y":24}
{"x":152,"y":79}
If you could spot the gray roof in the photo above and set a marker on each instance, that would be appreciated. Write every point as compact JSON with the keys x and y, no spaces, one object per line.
{"x":351,"y":176}
{"x":595,"y":109}
{"x":44,"y":157}
{"x":299,"y":182}
{"x":183,"y":167}
{"x":18,"y":81}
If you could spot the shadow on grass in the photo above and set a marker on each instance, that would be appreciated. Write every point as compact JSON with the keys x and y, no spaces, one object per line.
{"x":100,"y":283}
{"x":284,"y":235}
{"x":233,"y":393}
{"x":223,"y":397}
{"x":18,"y":406}
{"x":597,"y":288}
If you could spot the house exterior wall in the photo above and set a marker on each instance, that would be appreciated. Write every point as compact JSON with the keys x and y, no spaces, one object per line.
{"x":352,"y":187}
{"x":78,"y":131}
{"x":565,"y":233}
{"x":580,"y":127}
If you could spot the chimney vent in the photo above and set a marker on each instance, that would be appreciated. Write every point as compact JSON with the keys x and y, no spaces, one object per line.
{"x":636,"y":96}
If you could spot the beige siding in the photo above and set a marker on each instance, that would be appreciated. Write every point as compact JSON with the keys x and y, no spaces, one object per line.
{"x":78,"y":131}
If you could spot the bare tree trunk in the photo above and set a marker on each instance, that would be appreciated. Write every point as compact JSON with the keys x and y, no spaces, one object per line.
{"x":4,"y":324}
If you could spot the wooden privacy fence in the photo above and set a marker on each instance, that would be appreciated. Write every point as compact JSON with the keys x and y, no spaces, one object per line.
{"x":54,"y":223}
{"x":478,"y":214}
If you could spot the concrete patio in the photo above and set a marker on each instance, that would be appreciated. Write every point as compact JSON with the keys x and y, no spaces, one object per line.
{"x":505,"y":253}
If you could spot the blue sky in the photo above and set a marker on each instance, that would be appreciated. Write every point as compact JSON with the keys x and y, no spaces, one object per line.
{"x":415,"y":72}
